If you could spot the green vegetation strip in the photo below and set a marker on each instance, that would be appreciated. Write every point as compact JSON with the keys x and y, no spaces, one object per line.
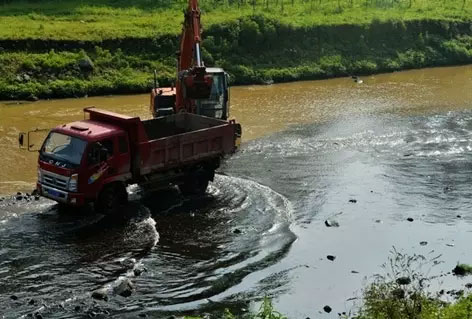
{"x":78,"y":48}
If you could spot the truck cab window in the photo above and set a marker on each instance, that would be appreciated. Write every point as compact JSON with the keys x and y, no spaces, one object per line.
{"x":93,"y":154}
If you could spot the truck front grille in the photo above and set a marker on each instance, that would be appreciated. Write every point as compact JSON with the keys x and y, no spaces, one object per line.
{"x":55,"y":180}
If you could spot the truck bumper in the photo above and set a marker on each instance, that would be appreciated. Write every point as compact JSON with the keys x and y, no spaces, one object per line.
{"x":60,"y":196}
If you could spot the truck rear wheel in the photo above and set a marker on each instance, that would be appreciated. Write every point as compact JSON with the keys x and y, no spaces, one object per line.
{"x":195,"y":183}
{"x":111,"y":199}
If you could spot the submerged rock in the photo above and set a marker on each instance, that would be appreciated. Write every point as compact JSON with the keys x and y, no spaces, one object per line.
{"x":353,"y":201}
{"x":125,"y":288}
{"x":327,"y":309}
{"x":100,"y":294}
{"x":331,"y":257}
{"x":13,"y":297}
{"x":138,"y":271}
{"x":410,"y":219}
{"x":423,"y":243}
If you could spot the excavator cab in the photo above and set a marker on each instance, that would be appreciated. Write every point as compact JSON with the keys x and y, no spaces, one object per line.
{"x":217,"y":104}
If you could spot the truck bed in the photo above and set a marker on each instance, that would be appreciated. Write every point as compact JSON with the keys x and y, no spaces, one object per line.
{"x":184,"y":139}
{"x":174,"y":141}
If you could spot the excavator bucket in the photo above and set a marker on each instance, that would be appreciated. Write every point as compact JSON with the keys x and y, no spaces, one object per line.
{"x":197,"y":83}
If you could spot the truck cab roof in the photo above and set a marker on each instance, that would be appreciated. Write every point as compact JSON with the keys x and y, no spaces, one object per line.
{"x":89,"y":130}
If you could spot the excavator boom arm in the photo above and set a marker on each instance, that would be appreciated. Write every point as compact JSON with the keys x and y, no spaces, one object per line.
{"x":192,"y":80}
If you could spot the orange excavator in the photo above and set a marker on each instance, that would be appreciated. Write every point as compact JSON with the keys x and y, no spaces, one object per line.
{"x":198,"y":90}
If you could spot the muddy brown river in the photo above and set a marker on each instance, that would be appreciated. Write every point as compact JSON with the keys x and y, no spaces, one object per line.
{"x":368,"y":155}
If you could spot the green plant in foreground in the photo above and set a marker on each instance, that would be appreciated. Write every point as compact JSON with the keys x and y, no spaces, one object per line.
{"x":266,"y":311}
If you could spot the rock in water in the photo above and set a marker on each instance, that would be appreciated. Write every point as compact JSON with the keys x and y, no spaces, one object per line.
{"x":125,"y":288}
{"x":138,"y":271}
{"x":327,"y":309}
{"x":353,"y":201}
{"x":410,"y":219}
{"x":100,"y":294}
{"x":331,"y":223}
{"x":331,"y":257}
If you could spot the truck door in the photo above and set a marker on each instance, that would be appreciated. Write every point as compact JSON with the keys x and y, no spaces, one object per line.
{"x":100,"y":165}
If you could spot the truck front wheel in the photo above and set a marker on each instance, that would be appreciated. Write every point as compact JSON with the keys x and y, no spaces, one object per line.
{"x":195,"y":183}
{"x":111,"y":198}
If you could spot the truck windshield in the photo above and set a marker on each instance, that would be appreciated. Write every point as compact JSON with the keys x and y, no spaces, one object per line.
{"x":65,"y":148}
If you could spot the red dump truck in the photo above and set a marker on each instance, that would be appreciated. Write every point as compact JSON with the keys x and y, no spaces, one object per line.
{"x":93,"y":160}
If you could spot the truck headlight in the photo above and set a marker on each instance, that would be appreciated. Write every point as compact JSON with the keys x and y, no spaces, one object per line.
{"x":73,"y":182}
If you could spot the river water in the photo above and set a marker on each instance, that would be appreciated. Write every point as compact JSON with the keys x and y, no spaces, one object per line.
{"x":368,"y":155}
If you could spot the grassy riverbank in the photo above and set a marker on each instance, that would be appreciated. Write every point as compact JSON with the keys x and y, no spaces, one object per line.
{"x":46,"y":47}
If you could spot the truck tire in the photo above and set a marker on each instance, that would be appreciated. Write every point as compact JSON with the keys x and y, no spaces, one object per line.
{"x":196,"y":183}
{"x":111,"y":198}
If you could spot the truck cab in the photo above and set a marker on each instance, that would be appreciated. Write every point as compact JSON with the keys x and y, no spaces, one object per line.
{"x":77,"y":159}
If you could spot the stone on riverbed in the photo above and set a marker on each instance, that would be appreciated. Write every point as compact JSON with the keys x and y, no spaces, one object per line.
{"x":331,"y":257}
{"x":125,"y":288}
{"x":327,"y":309}
{"x":100,"y":294}
{"x":138,"y":271}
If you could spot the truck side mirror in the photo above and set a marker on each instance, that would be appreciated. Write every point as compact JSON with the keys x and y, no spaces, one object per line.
{"x":21,"y":139}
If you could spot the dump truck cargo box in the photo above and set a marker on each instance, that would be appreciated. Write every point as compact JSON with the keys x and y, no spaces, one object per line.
{"x":184,"y":139}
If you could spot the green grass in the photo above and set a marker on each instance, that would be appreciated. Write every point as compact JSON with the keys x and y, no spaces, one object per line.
{"x":114,"y":19}
{"x":42,"y":41}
